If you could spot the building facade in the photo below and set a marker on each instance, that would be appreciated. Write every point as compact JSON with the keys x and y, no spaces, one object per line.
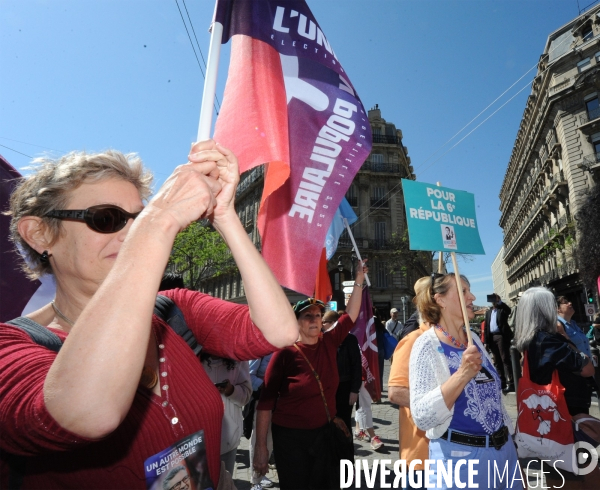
{"x":554,"y":162}
{"x":377,"y":199}
{"x":499,"y":278}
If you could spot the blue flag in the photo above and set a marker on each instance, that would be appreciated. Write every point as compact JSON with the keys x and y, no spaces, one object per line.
{"x":337,"y":226}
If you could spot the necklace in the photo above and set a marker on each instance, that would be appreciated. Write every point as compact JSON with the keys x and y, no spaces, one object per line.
{"x":60,"y":314}
{"x":149,"y":377}
{"x":446,"y":334}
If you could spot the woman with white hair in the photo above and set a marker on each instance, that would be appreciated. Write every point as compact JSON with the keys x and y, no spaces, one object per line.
{"x":548,"y":350}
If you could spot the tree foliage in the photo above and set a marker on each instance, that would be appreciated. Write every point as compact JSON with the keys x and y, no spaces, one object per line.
{"x":404,"y":259}
{"x":199,"y":253}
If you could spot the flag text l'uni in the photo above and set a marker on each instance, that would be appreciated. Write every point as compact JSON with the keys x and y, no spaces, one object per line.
{"x":313,"y":32}
{"x":338,"y":127}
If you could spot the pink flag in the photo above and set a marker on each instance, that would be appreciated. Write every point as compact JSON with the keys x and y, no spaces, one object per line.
{"x":289,"y":103}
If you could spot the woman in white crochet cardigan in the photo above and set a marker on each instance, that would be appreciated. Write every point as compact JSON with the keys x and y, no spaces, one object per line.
{"x":455,"y":394}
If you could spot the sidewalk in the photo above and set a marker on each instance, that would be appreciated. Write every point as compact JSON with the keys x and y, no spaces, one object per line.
{"x":385,"y":419}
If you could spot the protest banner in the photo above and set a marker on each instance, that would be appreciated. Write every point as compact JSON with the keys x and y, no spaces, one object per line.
{"x":288,"y":103}
{"x":441,"y":219}
{"x":444,"y":220}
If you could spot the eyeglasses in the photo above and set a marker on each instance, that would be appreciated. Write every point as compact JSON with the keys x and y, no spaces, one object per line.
{"x":185,"y":481}
{"x":102,"y":219}
{"x":434,"y":276}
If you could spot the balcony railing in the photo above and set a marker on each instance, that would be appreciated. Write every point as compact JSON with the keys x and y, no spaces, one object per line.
{"x":591,"y":160}
{"x":377,"y":202}
{"x":379,"y":244}
{"x":382,"y":167}
{"x":386,"y":139}
{"x":539,"y":244}
{"x":251,"y":177}
{"x":345,"y":242}
{"x":352,"y":200}
{"x":590,"y":115}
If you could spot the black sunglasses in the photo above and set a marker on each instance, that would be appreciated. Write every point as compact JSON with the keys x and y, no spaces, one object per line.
{"x":104,"y":218}
{"x":434,"y":276}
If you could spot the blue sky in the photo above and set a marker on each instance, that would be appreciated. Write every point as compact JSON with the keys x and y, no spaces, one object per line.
{"x":91,"y":74}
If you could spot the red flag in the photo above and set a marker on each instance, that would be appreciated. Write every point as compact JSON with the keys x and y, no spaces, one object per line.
{"x":323,"y":289}
{"x":289,"y":103}
{"x":364,"y":330}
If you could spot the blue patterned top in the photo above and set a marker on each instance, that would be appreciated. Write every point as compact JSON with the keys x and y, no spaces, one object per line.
{"x":478,"y":409}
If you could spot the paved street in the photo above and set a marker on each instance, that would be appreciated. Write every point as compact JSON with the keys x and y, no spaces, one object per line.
{"x":385,"y":418}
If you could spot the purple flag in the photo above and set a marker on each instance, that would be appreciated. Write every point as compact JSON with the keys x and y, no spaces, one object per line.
{"x":289,"y":102}
{"x":364,"y":330}
{"x":15,"y":288}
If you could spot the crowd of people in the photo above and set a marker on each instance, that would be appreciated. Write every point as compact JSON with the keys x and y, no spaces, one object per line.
{"x":96,"y":391}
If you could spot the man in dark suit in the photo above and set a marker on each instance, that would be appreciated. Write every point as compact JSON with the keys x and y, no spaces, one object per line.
{"x":497,"y":336}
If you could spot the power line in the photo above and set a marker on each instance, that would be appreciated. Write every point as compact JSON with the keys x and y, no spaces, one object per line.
{"x":472,"y":120}
{"x":12,"y":149}
{"x":475,"y":128}
{"x":199,"y":48}
{"x":488,"y":106}
{"x":192,"y":43}
{"x":392,"y":192}
{"x":194,"y":31}
{"x":31,"y":144}
{"x":190,"y":38}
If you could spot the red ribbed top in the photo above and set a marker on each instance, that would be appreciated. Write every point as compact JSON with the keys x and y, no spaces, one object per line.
{"x":291,"y":389}
{"x":58,"y":459}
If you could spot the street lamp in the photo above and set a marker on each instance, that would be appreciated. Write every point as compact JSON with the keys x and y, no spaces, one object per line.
{"x":403,"y":298}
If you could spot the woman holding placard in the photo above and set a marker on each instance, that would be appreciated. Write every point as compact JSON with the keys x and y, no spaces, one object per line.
{"x":455,"y":391}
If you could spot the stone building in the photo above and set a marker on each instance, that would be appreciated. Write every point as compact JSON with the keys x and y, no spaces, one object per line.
{"x":499,"y":279}
{"x":377,"y":199}
{"x":554,"y":162}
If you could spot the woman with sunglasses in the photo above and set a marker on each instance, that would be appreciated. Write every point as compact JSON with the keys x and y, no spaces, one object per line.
{"x":299,"y":405}
{"x":455,"y":391}
{"x":124,"y":387}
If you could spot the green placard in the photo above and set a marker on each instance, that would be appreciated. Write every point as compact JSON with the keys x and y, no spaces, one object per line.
{"x":441,"y":219}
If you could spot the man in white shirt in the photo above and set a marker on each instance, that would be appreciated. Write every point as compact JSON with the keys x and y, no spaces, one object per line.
{"x":393,"y":325}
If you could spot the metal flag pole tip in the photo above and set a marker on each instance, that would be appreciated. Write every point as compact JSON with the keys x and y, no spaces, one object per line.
{"x":355,"y":248}
{"x":210,"y":83}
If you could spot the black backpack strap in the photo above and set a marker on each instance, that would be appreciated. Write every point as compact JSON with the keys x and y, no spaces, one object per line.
{"x":44,"y":337}
{"x":166,"y":309}
{"x":39,"y":334}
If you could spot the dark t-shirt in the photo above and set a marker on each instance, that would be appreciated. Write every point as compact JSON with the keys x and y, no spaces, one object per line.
{"x":550,"y":351}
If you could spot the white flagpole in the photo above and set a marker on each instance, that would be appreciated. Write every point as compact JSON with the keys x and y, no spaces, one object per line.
{"x":355,"y":247}
{"x":210,"y":83}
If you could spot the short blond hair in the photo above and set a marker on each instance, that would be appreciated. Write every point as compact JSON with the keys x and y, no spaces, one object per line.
{"x":49,"y":186}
